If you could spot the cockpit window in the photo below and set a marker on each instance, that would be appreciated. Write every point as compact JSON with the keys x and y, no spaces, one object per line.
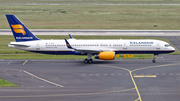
{"x":167,"y":45}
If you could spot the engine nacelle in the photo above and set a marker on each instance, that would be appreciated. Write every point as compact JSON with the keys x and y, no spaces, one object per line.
{"x":106,"y":55}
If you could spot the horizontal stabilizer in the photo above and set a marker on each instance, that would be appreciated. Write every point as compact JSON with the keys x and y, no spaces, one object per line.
{"x":18,"y":45}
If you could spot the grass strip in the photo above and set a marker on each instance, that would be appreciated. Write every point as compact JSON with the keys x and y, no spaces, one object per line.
{"x":140,"y":17}
{"x":4,"y":83}
{"x":78,"y":2}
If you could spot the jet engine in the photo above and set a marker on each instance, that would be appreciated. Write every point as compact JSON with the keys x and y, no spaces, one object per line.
{"x":105,"y":55}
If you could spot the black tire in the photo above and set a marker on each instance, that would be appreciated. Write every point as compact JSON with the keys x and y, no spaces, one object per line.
{"x":90,"y":61}
{"x":86,"y":61}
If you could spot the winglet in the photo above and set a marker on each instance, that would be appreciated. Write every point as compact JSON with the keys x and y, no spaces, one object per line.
{"x":70,"y":36}
{"x":67,"y":44}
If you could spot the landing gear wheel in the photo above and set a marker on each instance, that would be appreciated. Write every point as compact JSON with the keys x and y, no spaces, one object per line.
{"x":86,"y":61}
{"x":154,"y":61}
{"x":90,"y":61}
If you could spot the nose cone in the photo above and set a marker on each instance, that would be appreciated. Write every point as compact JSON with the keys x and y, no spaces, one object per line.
{"x":173,"y":49}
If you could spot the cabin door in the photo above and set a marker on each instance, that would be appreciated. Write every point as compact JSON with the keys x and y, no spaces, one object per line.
{"x":38,"y":46}
{"x":157,"y":47}
{"x":124,"y":46}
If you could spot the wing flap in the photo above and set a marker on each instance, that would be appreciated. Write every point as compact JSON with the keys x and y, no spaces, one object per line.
{"x":91,"y":50}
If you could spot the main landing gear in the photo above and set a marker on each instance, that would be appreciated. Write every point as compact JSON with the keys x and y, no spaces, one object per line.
{"x":88,"y":59}
{"x":154,"y":59}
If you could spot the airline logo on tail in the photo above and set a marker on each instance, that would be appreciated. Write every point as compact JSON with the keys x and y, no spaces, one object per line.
{"x":68,"y":45}
{"x":18,"y":29}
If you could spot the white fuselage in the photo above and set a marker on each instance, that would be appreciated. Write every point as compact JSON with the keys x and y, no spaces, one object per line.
{"x":58,"y":47}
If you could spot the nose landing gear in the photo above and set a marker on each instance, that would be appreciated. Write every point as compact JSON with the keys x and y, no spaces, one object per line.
{"x":154,"y":59}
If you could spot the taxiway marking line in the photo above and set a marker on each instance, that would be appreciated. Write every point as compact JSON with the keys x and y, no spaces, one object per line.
{"x":150,"y":76}
{"x":138,"y":76}
{"x":97,"y":74}
{"x":68,"y":94}
{"x":90,"y":74}
{"x":134,"y":75}
{"x":144,"y":76}
{"x":155,"y":66}
{"x":37,"y":77}
{"x":130,"y":73}
{"x":25,"y":62}
{"x":137,"y":99}
{"x":43,"y":79}
{"x":114,"y":67}
{"x":9,"y":62}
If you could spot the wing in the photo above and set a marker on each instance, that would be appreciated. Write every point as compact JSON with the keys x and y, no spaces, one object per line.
{"x":87,"y":50}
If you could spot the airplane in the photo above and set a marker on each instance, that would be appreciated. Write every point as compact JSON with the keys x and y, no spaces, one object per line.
{"x":100,"y":49}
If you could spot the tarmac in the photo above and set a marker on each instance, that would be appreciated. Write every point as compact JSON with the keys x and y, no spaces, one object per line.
{"x":72,"y":80}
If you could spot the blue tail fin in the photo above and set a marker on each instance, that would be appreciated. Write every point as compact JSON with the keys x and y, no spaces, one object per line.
{"x":20,"y":31}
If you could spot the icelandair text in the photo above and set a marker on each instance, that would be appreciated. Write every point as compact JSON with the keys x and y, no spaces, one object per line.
{"x":24,"y":37}
{"x":141,"y":42}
